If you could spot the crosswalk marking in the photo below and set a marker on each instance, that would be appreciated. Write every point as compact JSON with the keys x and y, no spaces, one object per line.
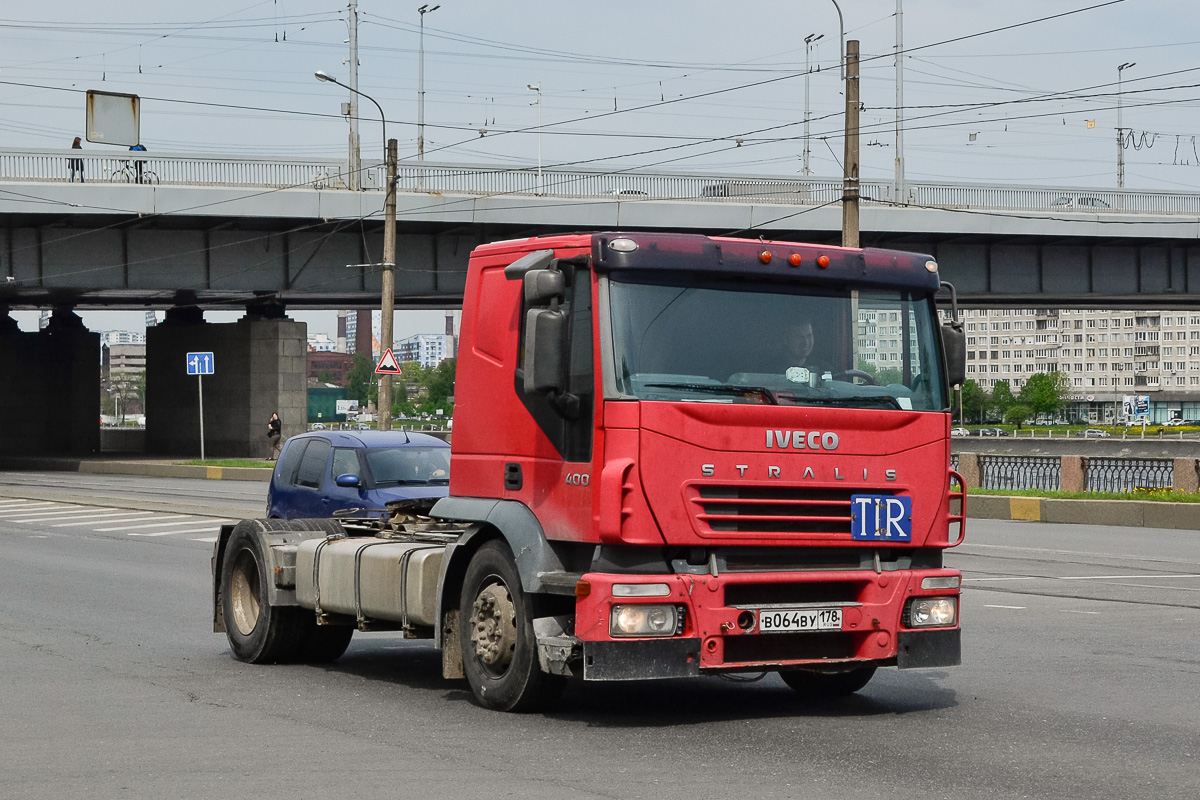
{"x":209,"y":539}
{"x":169,"y":524}
{"x":150,"y":525}
{"x":59,"y":515}
{"x":124,"y":517}
{"x":39,"y":506}
{"x":208,"y":529}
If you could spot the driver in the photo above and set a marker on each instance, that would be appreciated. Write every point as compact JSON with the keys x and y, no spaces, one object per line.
{"x":798,"y":344}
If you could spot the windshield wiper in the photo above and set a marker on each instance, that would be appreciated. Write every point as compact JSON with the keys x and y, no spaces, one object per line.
{"x":719,"y":388}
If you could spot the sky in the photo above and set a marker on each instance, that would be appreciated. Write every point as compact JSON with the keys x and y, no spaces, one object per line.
{"x":992,"y":92}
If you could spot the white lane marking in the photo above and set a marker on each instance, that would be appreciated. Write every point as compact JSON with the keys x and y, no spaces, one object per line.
{"x":1014,"y":608}
{"x":59,"y":515}
{"x":1073,"y":611}
{"x":155,"y":524}
{"x":209,"y":539}
{"x":123,"y":517}
{"x":1088,"y":553}
{"x":1124,"y":577}
{"x":6,"y":503}
{"x":1010,"y":578}
{"x":171,"y":533}
{"x":39,"y":506}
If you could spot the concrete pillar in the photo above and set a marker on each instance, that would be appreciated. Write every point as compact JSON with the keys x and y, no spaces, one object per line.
{"x":1187,"y":475}
{"x":51,"y":391}
{"x":259,"y":367}
{"x":968,"y":467}
{"x":1074,"y":474}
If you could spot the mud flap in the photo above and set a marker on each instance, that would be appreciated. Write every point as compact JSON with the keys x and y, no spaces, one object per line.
{"x":641,"y":659}
{"x":939,"y":648}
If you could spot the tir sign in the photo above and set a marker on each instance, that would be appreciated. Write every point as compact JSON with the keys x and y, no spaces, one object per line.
{"x":880,"y":518}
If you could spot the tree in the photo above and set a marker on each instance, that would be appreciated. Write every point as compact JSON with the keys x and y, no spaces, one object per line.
{"x":360,"y":381}
{"x":1017,"y":414}
{"x":440,"y":382}
{"x":1045,"y":392}
{"x":1002,"y":397}
{"x":883,"y":377}
{"x":975,"y":400}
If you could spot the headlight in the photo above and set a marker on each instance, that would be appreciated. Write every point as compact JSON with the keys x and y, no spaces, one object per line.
{"x":644,"y":620}
{"x":932,"y":612}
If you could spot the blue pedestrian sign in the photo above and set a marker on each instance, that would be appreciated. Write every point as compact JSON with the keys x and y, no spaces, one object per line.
{"x":200,"y":364}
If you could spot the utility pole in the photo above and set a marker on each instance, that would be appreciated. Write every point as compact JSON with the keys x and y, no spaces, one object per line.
{"x":1120,"y":128}
{"x":899,"y":190}
{"x":538,"y":88}
{"x":355,"y":156}
{"x":388,"y":302}
{"x":423,"y":10}
{"x":850,"y":159}
{"x":809,"y":41}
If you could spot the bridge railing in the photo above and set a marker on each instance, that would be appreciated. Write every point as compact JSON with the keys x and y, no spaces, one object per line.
{"x":626,"y":186}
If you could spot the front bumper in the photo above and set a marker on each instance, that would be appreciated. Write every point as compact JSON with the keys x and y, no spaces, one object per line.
{"x":716,"y":636}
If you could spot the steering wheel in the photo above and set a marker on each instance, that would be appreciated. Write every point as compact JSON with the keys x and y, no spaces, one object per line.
{"x":867,"y":377}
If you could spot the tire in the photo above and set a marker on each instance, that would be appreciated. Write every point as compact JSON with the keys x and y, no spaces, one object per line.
{"x":258,"y":632}
{"x":815,"y":685}
{"x":496,"y":633}
{"x":323,"y":643}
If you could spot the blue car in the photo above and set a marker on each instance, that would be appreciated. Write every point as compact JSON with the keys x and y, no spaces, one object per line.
{"x":355,"y":474}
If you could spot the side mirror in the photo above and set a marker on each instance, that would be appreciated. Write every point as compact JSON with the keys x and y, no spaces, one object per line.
{"x":545,"y":350}
{"x":347,"y":481}
{"x":538,"y":259}
{"x":542,"y":286}
{"x":954,"y":343}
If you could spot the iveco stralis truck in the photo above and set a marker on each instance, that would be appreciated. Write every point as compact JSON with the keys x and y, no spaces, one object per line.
{"x":673,"y":455}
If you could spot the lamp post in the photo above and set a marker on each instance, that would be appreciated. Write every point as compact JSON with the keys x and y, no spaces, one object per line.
{"x":1120,"y":128}
{"x":841,"y":39}
{"x":423,"y":10}
{"x":538,"y":103}
{"x":388,"y":279}
{"x":809,"y":41}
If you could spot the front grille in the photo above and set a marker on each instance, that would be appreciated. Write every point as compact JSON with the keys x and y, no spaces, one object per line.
{"x":780,"y":647}
{"x":773,"y":509}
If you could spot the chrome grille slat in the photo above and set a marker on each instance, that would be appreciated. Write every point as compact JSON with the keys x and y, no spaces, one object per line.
{"x":820,"y":512}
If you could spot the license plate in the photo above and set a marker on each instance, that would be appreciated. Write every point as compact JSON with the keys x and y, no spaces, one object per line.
{"x":880,"y":518}
{"x":792,"y":620}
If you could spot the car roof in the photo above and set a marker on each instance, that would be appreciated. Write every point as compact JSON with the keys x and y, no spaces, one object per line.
{"x":375,"y":439}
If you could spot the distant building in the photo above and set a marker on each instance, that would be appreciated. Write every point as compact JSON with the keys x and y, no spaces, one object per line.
{"x":321,"y":343}
{"x":427,"y":349}
{"x":335,"y":366}
{"x":123,"y":337}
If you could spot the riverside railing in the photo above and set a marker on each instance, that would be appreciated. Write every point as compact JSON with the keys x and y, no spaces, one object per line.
{"x":1020,"y":472}
{"x":614,"y":185}
{"x":1127,"y":474}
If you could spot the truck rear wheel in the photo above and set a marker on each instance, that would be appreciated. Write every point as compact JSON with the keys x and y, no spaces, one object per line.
{"x":827,"y":684}
{"x":257,"y":631}
{"x":498,"y":645}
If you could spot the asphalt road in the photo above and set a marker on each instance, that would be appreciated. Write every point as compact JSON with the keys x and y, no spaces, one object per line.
{"x":1081,"y":680}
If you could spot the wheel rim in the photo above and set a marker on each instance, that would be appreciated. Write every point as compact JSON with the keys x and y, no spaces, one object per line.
{"x":243,"y":593}
{"x":494,"y":627}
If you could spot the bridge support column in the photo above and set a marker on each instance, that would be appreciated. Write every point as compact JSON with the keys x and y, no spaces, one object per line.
{"x":259,"y":367}
{"x":50,"y":399}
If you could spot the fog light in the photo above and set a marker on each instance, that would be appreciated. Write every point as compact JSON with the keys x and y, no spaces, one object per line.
{"x":933,"y":612}
{"x":643,"y":620}
{"x":942,"y":582}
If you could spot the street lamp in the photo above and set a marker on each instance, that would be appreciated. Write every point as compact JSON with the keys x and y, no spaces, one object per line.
{"x":538,"y":88}
{"x":842,"y":38}
{"x":423,"y":10}
{"x":809,"y":41}
{"x":1120,"y":128}
{"x":388,"y":279}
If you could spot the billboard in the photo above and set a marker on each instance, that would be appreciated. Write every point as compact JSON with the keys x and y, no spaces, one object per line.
{"x":347,"y":406}
{"x":1135,"y":405}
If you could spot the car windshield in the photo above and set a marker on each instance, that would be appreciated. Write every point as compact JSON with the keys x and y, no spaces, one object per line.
{"x":724,"y":341}
{"x":402,"y":466}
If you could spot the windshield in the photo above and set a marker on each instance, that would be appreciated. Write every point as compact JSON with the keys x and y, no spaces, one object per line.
{"x":400,"y":466}
{"x":725,"y":342}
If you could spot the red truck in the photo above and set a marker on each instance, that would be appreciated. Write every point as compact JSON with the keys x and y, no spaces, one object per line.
{"x":673,"y":455}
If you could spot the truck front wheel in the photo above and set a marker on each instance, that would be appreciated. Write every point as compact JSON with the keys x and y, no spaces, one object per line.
{"x":498,"y":645}
{"x":815,"y":685}
{"x":257,"y":631}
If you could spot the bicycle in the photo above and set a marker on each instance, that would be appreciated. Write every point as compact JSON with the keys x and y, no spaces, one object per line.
{"x":128,"y":173}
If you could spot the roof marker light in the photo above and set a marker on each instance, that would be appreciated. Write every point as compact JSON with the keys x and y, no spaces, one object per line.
{"x":765,"y":256}
{"x":794,"y":259}
{"x":623,"y":245}
{"x":822,"y":261}
{"x":931,"y":266}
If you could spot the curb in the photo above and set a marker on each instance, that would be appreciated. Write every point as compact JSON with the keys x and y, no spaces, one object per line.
{"x":1124,"y":513}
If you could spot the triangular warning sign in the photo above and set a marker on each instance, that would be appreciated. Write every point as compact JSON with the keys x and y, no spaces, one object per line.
{"x":387,"y":364}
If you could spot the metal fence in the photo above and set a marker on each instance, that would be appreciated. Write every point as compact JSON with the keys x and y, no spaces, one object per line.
{"x":954,"y":461}
{"x":1127,"y":474}
{"x":619,"y":185}
{"x":1020,"y":472}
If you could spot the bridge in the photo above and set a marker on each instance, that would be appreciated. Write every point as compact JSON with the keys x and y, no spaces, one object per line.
{"x":214,"y":232}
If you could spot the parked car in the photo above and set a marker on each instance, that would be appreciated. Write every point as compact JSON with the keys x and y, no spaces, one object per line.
{"x":317,"y":426}
{"x":343,"y":473}
{"x":1095,"y":433}
{"x":1079,"y":203}
{"x":992,"y":432}
{"x":959,"y":432}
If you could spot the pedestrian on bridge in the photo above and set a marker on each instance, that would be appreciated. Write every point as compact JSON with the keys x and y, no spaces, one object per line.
{"x":76,"y":164}
{"x":275,"y":435}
